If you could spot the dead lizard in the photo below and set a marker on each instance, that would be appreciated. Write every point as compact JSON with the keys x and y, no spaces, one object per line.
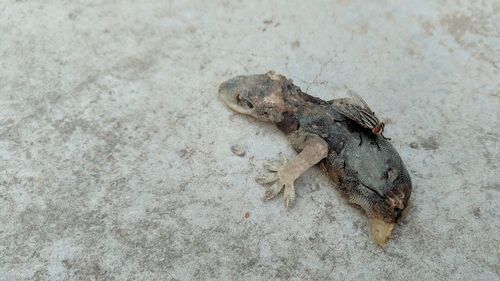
{"x":370,"y":175}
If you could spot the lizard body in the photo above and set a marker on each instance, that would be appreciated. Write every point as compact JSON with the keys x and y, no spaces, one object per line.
{"x":370,"y":173}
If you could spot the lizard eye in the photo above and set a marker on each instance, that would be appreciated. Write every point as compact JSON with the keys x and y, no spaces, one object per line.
{"x":244,"y":102}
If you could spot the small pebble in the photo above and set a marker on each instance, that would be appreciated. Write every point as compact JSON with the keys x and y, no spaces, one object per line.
{"x":236,"y":149}
{"x":414,"y":145}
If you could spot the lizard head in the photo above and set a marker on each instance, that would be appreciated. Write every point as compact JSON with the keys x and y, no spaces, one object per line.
{"x":264,"y":96}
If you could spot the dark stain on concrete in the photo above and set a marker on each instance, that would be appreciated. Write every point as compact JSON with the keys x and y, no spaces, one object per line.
{"x":476,"y":212}
{"x":430,"y":143}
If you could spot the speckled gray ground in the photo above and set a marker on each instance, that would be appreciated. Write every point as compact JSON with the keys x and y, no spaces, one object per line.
{"x":115,"y":152}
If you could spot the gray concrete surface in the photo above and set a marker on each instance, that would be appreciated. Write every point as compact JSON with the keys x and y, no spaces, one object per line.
{"x":115,"y":159}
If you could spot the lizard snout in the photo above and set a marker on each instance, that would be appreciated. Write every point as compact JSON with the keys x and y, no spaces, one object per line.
{"x":230,"y":93}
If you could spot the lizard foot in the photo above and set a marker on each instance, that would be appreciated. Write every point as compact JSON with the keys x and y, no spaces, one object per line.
{"x":280,"y":180}
{"x":273,"y":168}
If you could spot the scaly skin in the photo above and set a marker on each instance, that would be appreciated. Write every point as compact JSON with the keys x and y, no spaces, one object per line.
{"x":371,"y":174}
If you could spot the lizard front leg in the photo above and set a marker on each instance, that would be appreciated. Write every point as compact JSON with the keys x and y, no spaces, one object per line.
{"x":315,"y":149}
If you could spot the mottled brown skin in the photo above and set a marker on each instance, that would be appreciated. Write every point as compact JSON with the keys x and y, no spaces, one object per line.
{"x":370,"y":175}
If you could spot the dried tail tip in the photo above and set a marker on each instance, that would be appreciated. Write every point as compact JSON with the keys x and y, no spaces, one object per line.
{"x":381,"y":231}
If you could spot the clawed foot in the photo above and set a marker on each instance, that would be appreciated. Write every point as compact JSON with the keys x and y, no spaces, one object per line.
{"x":280,"y":180}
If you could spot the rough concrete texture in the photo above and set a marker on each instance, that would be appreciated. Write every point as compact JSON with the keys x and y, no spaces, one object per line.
{"x":115,"y":151}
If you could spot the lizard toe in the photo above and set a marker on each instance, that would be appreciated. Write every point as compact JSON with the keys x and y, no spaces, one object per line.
{"x":272,"y":191}
{"x":289,"y":196}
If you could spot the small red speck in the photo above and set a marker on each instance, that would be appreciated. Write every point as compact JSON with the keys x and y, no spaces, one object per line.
{"x":246,"y":215}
